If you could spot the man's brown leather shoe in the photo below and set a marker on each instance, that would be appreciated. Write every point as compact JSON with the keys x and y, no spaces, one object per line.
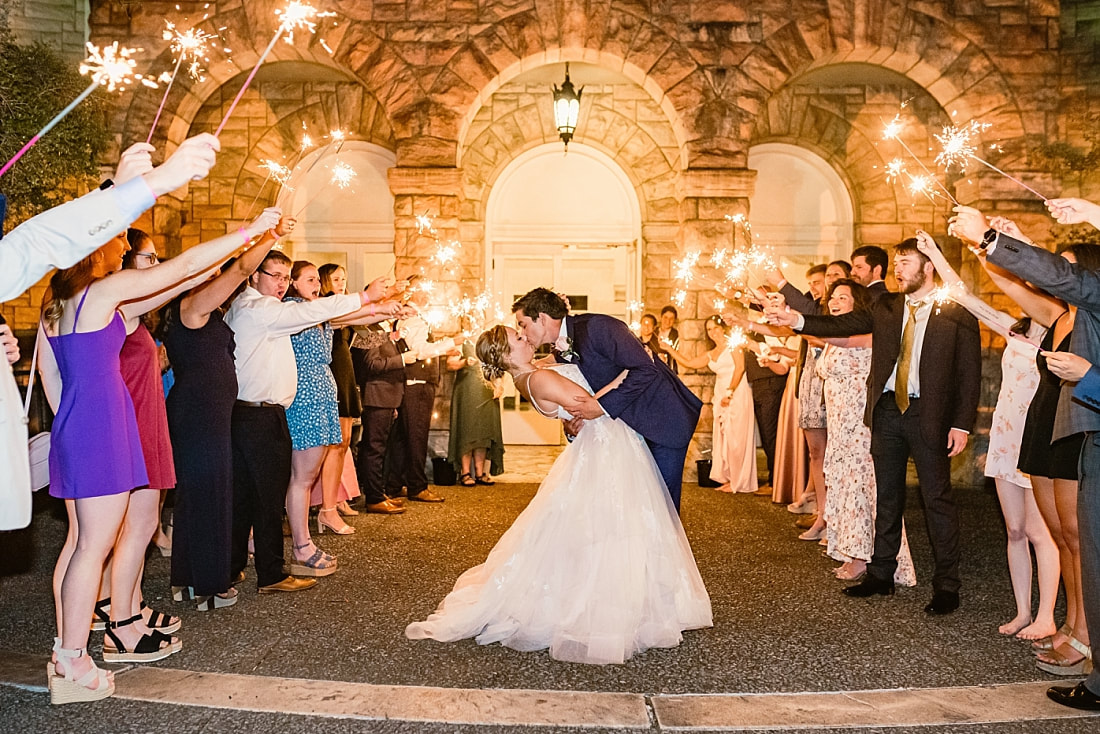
{"x":396,"y":501}
{"x":426,"y":495}
{"x":290,"y":583}
{"x":384,"y":508}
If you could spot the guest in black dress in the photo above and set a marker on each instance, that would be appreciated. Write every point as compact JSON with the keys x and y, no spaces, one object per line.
{"x":200,"y":408}
{"x":334,"y":492}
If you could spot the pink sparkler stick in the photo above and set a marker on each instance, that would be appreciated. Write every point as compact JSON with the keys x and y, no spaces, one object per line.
{"x":251,"y":74}
{"x":164,"y":98}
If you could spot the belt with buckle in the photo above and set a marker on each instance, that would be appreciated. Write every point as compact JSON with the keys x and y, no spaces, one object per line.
{"x":254,"y":404}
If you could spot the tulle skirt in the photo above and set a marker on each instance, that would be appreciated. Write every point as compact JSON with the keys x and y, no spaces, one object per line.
{"x":597,"y":567}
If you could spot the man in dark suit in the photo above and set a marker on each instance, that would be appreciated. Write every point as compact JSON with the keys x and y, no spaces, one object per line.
{"x":380,"y":372}
{"x":922,"y":400}
{"x":1081,"y":288}
{"x":651,"y":399}
{"x":869,"y":266}
{"x":668,"y":334}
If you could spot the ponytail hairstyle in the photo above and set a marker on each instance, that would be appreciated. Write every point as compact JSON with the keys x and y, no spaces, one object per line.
{"x":492,"y":351}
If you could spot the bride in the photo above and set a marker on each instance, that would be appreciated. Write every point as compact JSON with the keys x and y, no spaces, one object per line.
{"x":597,"y":567}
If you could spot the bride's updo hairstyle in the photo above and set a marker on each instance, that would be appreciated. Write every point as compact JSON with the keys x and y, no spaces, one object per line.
{"x":492,"y":348}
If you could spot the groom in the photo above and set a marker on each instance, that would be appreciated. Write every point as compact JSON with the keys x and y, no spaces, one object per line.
{"x":651,"y":399}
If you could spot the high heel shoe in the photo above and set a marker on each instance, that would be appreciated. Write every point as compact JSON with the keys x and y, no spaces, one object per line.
{"x":150,"y":648}
{"x":812,"y":534}
{"x":217,"y":601}
{"x":1058,"y":663}
{"x":345,"y":509}
{"x":67,"y":689}
{"x":342,"y":529}
{"x":183,"y":593}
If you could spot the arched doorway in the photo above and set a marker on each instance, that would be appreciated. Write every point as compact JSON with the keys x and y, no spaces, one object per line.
{"x":568,"y":222}
{"x":800,"y":207}
{"x":352,"y":227}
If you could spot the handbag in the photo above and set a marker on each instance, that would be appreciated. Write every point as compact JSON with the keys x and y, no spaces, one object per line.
{"x":38,"y":445}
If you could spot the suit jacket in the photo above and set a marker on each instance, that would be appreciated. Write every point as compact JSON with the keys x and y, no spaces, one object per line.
{"x":1088,"y":389}
{"x":379,"y":369}
{"x":1076,"y":286}
{"x":877,"y":290}
{"x":950,"y":365}
{"x":651,"y":399}
{"x":802,"y":302}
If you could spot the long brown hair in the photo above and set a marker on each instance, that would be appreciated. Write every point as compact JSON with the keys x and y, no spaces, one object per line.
{"x":325,"y":273}
{"x":64,"y":285}
{"x":492,"y":350}
{"x":295,"y":273}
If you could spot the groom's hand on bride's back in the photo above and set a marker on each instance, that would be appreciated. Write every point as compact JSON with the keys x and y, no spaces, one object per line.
{"x":572,"y":427}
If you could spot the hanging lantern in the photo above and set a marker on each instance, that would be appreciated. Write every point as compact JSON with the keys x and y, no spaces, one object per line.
{"x":567,"y":107}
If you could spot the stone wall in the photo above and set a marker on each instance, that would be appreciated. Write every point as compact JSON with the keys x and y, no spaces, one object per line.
{"x":62,"y":24}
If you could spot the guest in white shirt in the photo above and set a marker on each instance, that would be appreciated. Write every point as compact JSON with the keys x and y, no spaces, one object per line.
{"x":267,"y":378}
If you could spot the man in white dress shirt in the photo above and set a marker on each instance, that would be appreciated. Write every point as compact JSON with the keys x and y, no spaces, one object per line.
{"x":267,"y":379}
{"x":60,"y":238}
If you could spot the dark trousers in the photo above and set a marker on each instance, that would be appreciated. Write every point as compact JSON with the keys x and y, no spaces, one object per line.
{"x":408,"y":447}
{"x":670,"y":462}
{"x":1088,"y":523}
{"x":370,"y":461}
{"x":261,"y":474}
{"x":894,"y":439}
{"x":767,"y":397}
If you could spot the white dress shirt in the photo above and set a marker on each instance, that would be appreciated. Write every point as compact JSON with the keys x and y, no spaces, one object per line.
{"x":924,"y":310}
{"x":262,"y":326}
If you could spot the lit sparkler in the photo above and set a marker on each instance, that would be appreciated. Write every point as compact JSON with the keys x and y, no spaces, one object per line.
{"x":189,"y":46}
{"x":296,"y":15}
{"x":892,"y":131}
{"x":958,"y":147}
{"x":342,"y":176}
{"x":111,"y":67}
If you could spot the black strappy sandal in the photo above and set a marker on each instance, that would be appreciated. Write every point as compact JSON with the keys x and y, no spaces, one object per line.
{"x":467,"y":480}
{"x":101,"y":615}
{"x":149,"y":648}
{"x":485,"y":480}
{"x":161,"y":622}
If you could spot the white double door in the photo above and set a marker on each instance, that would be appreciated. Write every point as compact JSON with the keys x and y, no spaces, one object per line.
{"x":600,"y":278}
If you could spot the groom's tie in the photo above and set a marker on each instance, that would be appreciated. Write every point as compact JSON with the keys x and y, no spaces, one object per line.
{"x":905,"y":358}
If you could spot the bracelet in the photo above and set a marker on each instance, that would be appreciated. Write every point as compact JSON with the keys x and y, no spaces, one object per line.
{"x":244,"y":233}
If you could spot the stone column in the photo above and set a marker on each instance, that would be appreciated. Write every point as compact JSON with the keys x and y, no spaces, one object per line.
{"x":436,"y":192}
{"x":706,"y":197}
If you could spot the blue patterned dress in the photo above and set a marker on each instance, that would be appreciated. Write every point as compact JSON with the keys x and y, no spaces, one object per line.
{"x":313,"y":416}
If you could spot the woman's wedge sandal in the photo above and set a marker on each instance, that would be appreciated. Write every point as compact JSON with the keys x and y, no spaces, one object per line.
{"x":66,"y":689}
{"x":150,"y":648}
{"x":160,"y":621}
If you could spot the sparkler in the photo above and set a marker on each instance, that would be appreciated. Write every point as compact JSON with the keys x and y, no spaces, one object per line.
{"x":188,"y":46}
{"x":296,"y":15}
{"x":892,"y":131}
{"x":342,"y":176}
{"x":957,"y":147}
{"x":112,"y":67}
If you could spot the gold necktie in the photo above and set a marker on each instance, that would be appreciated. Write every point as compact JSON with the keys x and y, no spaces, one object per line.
{"x":905,"y":359}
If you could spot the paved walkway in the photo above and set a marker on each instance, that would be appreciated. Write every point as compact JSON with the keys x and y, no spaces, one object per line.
{"x":787,"y":650}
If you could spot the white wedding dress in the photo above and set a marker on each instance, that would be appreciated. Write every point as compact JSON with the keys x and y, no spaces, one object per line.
{"x":596,"y":568}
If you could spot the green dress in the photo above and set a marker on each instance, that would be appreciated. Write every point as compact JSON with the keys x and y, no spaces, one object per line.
{"x":475,"y":417}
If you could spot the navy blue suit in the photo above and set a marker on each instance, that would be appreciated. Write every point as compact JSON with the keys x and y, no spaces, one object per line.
{"x":651,"y":399}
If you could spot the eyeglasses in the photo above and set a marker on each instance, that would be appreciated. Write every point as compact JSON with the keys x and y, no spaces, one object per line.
{"x":153,"y":259}
{"x":280,"y":278}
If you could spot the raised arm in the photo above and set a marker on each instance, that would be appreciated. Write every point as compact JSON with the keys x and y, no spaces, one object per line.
{"x":132,"y":285}
{"x":197,"y":306}
{"x":698,"y":362}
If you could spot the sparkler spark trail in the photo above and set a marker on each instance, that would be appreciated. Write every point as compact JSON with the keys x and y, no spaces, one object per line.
{"x":894,"y":170}
{"x":111,"y":67}
{"x":295,"y":15}
{"x":343,"y":175}
{"x":958,"y":147}
{"x":892,"y":131}
{"x":187,"y":45}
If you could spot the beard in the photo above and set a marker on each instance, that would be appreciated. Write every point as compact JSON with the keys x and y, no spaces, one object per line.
{"x":908,"y":287}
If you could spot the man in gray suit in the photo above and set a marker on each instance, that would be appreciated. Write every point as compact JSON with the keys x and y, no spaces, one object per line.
{"x":1080,"y":288}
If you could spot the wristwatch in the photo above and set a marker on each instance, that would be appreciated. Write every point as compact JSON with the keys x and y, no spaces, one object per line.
{"x":988,"y":238}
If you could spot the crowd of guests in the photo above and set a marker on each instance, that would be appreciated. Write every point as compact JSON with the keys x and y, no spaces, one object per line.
{"x":273,"y":361}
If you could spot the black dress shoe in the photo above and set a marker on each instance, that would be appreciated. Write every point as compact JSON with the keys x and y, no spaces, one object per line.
{"x":870,"y":586}
{"x":1077,"y":697}
{"x":943,"y":602}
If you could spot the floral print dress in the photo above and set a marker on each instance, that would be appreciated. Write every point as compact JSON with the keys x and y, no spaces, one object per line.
{"x":849,"y":468}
